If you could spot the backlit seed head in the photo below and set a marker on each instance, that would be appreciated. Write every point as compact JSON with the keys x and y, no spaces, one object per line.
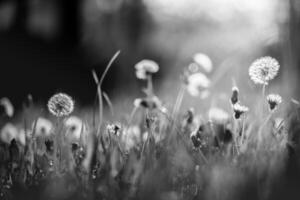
{"x":274,"y":100}
{"x":8,"y":107}
{"x":60,"y":105}
{"x":263,"y":70}
{"x":196,"y":83}
{"x":145,"y":67}
{"x":239,"y":110}
{"x":113,"y":129}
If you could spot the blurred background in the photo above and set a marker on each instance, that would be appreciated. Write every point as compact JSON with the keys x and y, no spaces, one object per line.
{"x":48,"y":46}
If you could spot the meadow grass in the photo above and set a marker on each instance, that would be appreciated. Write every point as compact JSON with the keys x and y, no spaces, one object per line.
{"x":159,"y":151}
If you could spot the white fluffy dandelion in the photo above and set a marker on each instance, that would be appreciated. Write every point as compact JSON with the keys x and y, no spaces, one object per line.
{"x":239,"y":110}
{"x":113,"y":129}
{"x":61,"y":105}
{"x":218,"y":115}
{"x":151,"y":103}
{"x":196,"y":83}
{"x":273,"y":100}
{"x":145,"y":67}
{"x":263,"y":70}
{"x":8,"y":107}
{"x":8,"y":133}
{"x":74,"y":127}
{"x":43,"y":127}
{"x":203,"y":61}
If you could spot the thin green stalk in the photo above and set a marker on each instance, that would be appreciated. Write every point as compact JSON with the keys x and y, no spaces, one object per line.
{"x":99,"y":90}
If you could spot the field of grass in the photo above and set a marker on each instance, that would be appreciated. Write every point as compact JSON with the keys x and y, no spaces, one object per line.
{"x":157,"y":151}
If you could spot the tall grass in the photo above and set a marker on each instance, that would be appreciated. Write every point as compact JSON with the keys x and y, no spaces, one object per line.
{"x":158,"y":153}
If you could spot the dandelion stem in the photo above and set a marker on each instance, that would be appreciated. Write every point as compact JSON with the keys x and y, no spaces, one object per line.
{"x":178,"y":102}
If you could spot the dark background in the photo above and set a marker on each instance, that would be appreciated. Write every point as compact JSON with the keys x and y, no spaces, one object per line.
{"x":51,"y":45}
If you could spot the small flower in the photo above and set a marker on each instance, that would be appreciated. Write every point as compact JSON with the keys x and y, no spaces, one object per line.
{"x":263,"y":70}
{"x":196,"y":83}
{"x":218,"y":115}
{"x":235,"y":95}
{"x":61,"y":105}
{"x":113,"y":129}
{"x":7,"y":105}
{"x":239,"y":110}
{"x":145,"y":67}
{"x":43,"y":127}
{"x":151,"y":103}
{"x":131,"y":136}
{"x":8,"y":133}
{"x":74,"y":127}
{"x":274,"y":100}
{"x":196,"y":137}
{"x":203,"y":61}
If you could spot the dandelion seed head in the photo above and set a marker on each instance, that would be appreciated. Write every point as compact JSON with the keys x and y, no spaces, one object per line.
{"x":239,"y":110}
{"x":43,"y":127}
{"x":203,"y":61}
{"x":196,"y":83}
{"x":274,"y":100}
{"x":145,"y":67}
{"x":8,"y":133}
{"x":218,"y":115}
{"x":61,"y":105}
{"x":74,"y":127}
{"x":8,"y":107}
{"x":263,"y":70}
{"x":151,"y":103}
{"x":113,"y":129}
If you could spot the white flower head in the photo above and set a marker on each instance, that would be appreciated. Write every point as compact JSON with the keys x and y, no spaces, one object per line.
{"x":145,"y":67}
{"x":8,"y":133}
{"x":43,"y":127}
{"x":218,"y":115}
{"x":131,"y":136}
{"x":74,"y":127}
{"x":273,"y":100}
{"x":151,"y":103}
{"x":8,"y":107}
{"x":263,"y":70}
{"x":203,"y":61}
{"x":239,"y":110}
{"x":61,"y":105}
{"x":196,"y":83}
{"x":113,"y":129}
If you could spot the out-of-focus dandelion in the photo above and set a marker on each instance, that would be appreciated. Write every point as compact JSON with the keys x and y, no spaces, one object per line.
{"x":235,"y":95}
{"x":263,"y":70}
{"x":196,"y":138}
{"x":74,"y":127}
{"x":239,"y":110}
{"x":8,"y":133}
{"x":7,"y":105}
{"x":131,"y":136}
{"x":218,"y":115}
{"x":196,"y":83}
{"x":43,"y":127}
{"x":145,"y":68}
{"x":203,"y":61}
{"x":22,"y":137}
{"x":113,"y":129}
{"x":273,"y":100}
{"x":61,"y":105}
{"x":150,"y":103}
